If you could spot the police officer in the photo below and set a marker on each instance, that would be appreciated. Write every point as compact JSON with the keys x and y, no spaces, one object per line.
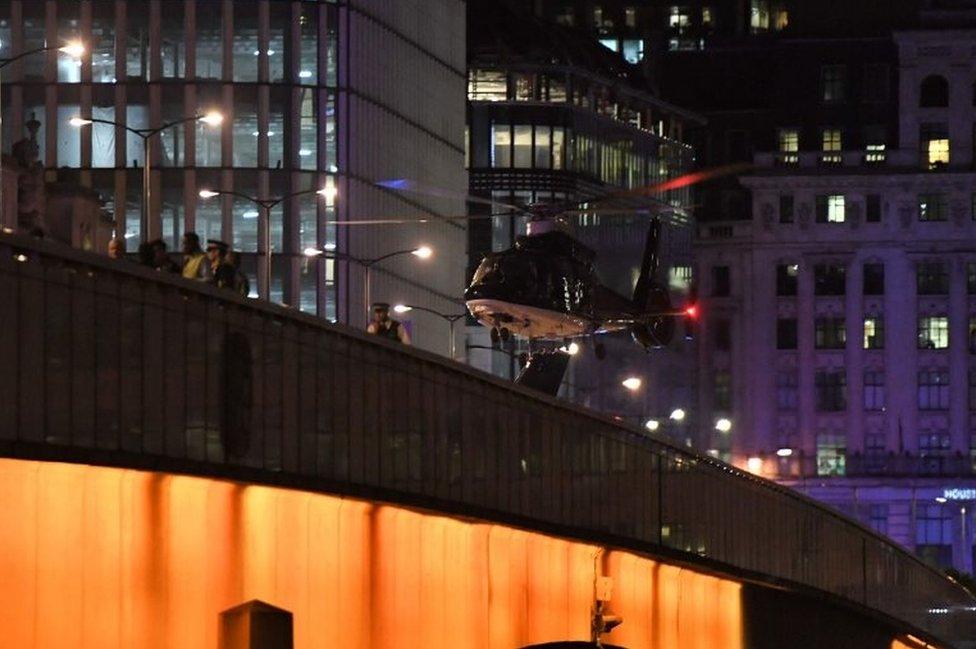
{"x":384,"y":326}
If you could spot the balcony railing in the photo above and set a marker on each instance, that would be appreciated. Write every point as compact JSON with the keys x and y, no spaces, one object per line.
{"x":106,"y":362}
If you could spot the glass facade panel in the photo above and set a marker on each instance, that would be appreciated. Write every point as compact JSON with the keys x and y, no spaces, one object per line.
{"x":308,"y":135}
{"x":103,"y":43}
{"x":172,"y":213}
{"x":276,"y":134}
{"x":542,"y":144}
{"x":136,"y":116}
{"x":523,"y":146}
{"x":279,"y":17}
{"x":137,"y":39}
{"x":210,"y":58}
{"x":37,"y":112}
{"x":172,"y":41}
{"x":34,"y":38}
{"x":69,"y":31}
{"x":69,"y":137}
{"x":209,"y":216}
{"x":501,"y":145}
{"x":208,"y":153}
{"x":245,"y":48}
{"x":308,"y":49}
{"x":246,"y":134}
{"x":103,"y":137}
{"x":247,"y":215}
{"x":557,"y":147}
{"x":331,"y":154}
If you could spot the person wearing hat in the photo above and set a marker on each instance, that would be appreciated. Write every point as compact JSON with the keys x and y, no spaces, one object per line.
{"x":223,"y":274}
{"x":384,"y":326}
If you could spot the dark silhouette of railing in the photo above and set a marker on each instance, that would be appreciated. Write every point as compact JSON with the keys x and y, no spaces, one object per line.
{"x":107,"y":362}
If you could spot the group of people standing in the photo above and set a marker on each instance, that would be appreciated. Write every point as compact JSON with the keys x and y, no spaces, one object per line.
{"x":217,"y":265}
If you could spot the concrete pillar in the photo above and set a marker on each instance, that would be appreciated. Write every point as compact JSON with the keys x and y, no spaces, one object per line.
{"x":958,"y":356}
{"x":807,"y":365}
{"x":255,"y":625}
{"x":854,"y":355}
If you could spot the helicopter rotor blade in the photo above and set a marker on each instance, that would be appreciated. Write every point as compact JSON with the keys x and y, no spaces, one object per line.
{"x":413,"y":187}
{"x":684,"y":180}
{"x":425,"y":219}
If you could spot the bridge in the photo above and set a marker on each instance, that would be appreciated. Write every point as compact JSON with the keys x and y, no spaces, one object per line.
{"x":169,"y":451}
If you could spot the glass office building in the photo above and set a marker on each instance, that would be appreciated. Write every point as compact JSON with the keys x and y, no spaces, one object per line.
{"x":269,"y":67}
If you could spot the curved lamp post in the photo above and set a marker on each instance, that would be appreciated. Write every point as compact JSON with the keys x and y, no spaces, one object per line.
{"x":212,"y":118}
{"x":451,"y":319}
{"x":421,"y":252}
{"x":75,"y":49}
{"x":266,"y":205}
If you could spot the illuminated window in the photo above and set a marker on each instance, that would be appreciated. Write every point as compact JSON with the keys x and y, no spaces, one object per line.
{"x":789,"y":145}
{"x":829,"y":333}
{"x":524,"y":86}
{"x":279,"y":19}
{"x":933,"y":390}
{"x":210,"y":46}
{"x":136,"y":40}
{"x":543,"y":138}
{"x":246,"y":51}
{"x":69,"y":138}
{"x":786,"y":279}
{"x":487,"y":85}
{"x":523,"y":146}
{"x":707,"y":17}
{"x":781,"y":19}
{"x":831,"y":454}
{"x":307,"y":130}
{"x":103,"y":135}
{"x":558,"y":144}
{"x":875,"y":153}
{"x":874,"y":279}
{"x":598,"y":16}
{"x":831,"y":209}
{"x":308,"y":51}
{"x":874,"y":332}
{"x":245,"y":132}
{"x":829,"y":279}
{"x":934,"y":140}
{"x":679,"y":23}
{"x":172,"y":45}
{"x":630,"y":16}
{"x":610,"y":44}
{"x":633,"y":50}
{"x":833,"y":81}
{"x":932,"y":278}
{"x":874,"y":390}
{"x":103,"y":43}
{"x":501,"y":141}
{"x":787,"y":390}
{"x":759,"y":16}
{"x":933,"y":207}
{"x":69,"y":30}
{"x":933,"y":332}
{"x":831,"y":145}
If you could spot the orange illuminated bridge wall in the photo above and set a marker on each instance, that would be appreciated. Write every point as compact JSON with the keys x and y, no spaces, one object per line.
{"x":94,"y":557}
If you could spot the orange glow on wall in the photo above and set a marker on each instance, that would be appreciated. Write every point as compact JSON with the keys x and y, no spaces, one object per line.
{"x":105,"y":558}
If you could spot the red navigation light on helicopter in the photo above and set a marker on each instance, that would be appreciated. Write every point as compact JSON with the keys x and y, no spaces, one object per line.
{"x":691,"y":311}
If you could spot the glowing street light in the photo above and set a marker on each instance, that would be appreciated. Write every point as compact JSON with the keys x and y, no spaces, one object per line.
{"x":572,"y":349}
{"x":212,"y":118}
{"x":632,"y":383}
{"x":784,"y":452}
{"x":652,"y":424}
{"x":265,"y":205}
{"x":74,"y":49}
{"x":677,"y":414}
{"x":754,"y":465}
{"x":423,"y":252}
{"x":723,"y":425}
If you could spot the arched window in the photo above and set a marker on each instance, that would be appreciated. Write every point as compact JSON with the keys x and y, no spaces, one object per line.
{"x":934,"y":92}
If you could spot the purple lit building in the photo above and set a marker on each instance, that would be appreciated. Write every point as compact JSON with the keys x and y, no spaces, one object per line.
{"x":840,"y":322}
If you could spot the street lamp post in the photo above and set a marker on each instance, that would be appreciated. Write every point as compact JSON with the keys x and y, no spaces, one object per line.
{"x":74,"y":49}
{"x":451,"y":319}
{"x":212,"y":118}
{"x":423,"y":252}
{"x":266,"y":205}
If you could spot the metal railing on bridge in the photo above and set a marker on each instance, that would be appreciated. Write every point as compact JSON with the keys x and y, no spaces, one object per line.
{"x":104,"y":361}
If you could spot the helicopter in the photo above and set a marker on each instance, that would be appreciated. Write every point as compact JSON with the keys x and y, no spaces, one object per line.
{"x":545,"y":288}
